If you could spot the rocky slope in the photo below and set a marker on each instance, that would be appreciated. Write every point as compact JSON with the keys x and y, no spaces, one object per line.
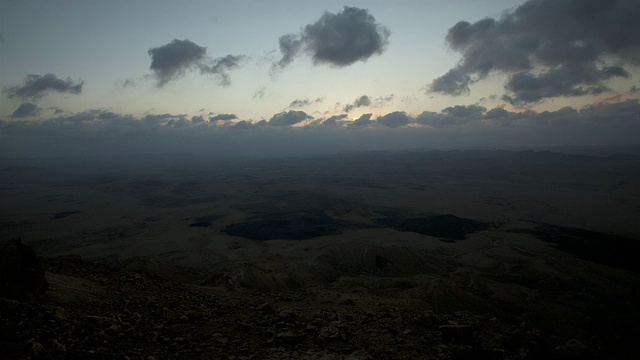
{"x":94,"y":311}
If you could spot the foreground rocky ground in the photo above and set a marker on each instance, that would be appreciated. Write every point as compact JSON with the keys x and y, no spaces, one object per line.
{"x":95,"y":311}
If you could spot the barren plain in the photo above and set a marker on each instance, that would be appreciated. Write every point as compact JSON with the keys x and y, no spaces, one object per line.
{"x":414,"y":254}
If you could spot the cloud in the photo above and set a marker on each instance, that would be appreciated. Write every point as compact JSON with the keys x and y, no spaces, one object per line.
{"x":338,"y":40}
{"x":221,"y":66}
{"x":454,"y":82}
{"x":525,"y":87}
{"x":624,"y":112}
{"x":496,"y":113}
{"x":363,"y":100}
{"x":383,"y":100}
{"x":290,"y":45}
{"x":99,"y":132}
{"x":299,"y":103}
{"x":128,"y":82}
{"x":362,"y":122}
{"x":452,"y":116}
{"x":26,"y":110}
{"x":394,"y":119}
{"x":223,"y":117}
{"x":549,"y":48}
{"x":56,"y":110}
{"x":259,"y":93}
{"x":333,"y":120}
{"x":152,"y":120}
{"x":289,"y":118}
{"x":36,"y":86}
{"x":173,"y":60}
{"x":197,"y":119}
{"x":464,"y":111}
{"x":242,"y":124}
{"x":366,"y":100}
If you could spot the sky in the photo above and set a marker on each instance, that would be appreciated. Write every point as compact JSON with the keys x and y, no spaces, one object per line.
{"x":252,"y":77}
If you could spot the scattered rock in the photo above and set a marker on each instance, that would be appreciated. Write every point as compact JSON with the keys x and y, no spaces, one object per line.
{"x":457,"y":333}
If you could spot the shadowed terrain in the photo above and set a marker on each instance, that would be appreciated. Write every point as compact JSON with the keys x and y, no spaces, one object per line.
{"x":418,"y":254}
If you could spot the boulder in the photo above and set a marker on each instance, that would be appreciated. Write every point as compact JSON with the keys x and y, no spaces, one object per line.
{"x":21,"y":276}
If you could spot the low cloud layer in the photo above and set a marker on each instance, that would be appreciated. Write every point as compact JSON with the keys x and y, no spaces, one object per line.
{"x":99,"y":132}
{"x":337,"y":40}
{"x":26,"y":110}
{"x":362,"y":122}
{"x":36,"y":86}
{"x":334,"y":120}
{"x":548,"y":49}
{"x":171,"y":61}
{"x":289,"y":118}
{"x":223,"y":117}
{"x":394,"y":119}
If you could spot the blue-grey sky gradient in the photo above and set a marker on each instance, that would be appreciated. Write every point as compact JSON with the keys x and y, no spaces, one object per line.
{"x":220,"y":57}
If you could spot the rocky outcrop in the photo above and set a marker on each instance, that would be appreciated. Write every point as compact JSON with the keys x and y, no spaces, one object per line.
{"x":21,"y":276}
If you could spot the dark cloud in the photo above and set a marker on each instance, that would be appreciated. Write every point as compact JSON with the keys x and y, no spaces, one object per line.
{"x":454,"y":82}
{"x":105,"y":133}
{"x":221,"y":66}
{"x":223,"y":117}
{"x":173,"y":60}
{"x":624,"y":112}
{"x":26,"y":110}
{"x":333,"y":120}
{"x":549,"y":48}
{"x":362,"y":122}
{"x":601,"y":114}
{"x":524,"y":87}
{"x":338,"y":40}
{"x":497,"y":113}
{"x":363,"y":100}
{"x":197,"y":119}
{"x":243,"y":124}
{"x":290,"y":45}
{"x":394,"y":119}
{"x":36,"y":86}
{"x":298,"y":103}
{"x":465,"y":111}
{"x":289,"y":118}
{"x":452,"y":115}
{"x":179,"y":123}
